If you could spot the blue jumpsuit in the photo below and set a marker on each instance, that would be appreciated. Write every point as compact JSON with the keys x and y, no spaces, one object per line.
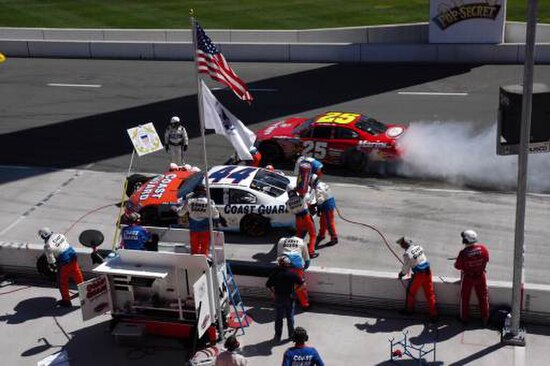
{"x":134,"y":237}
{"x":302,"y":355}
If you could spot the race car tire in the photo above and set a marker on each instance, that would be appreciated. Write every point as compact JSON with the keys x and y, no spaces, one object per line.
{"x":133,"y":183}
{"x":44,"y":268}
{"x":356,"y":161}
{"x":254,"y":225}
{"x":271,"y":152}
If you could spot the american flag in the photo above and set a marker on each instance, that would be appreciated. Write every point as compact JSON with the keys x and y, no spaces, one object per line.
{"x":210,"y":61}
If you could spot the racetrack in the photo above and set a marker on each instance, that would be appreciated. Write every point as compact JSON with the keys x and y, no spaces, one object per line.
{"x":83,"y":127}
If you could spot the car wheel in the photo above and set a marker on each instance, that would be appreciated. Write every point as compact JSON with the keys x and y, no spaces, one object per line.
{"x":271,"y":152}
{"x":133,"y":183}
{"x":356,"y":161}
{"x":254,"y":225}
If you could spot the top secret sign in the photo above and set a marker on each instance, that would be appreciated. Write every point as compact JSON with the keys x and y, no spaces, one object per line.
{"x":467,"y":21}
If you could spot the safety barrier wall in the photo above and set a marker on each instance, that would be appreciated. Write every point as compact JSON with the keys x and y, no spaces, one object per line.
{"x":343,"y":287}
{"x":393,"y":43}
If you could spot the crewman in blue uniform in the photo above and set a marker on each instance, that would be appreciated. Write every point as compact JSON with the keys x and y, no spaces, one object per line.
{"x":300,"y":354}
{"x":134,"y":236}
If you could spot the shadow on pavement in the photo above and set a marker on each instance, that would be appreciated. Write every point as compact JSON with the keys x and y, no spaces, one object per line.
{"x":90,"y":139}
{"x":473,"y":357}
{"x":35,"y":308}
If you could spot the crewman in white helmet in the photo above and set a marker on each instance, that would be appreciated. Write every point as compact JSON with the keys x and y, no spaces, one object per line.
{"x":176,"y":140}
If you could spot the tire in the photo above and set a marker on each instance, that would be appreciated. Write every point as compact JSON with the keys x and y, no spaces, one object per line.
{"x":356,"y":161}
{"x":271,"y":152}
{"x":254,"y":225}
{"x":133,"y":183}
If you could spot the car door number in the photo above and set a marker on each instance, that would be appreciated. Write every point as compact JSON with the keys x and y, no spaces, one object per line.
{"x":317,"y":149}
{"x":337,"y":117}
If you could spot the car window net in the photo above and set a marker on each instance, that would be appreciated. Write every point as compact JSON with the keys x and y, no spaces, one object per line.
{"x":371,"y":126}
{"x":273,"y":184}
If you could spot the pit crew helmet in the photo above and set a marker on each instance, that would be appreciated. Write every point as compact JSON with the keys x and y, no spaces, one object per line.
{"x":199,"y":189}
{"x":134,"y":217}
{"x":175,"y":120}
{"x":406,"y":242}
{"x":253,"y":150}
{"x":45,"y":232}
{"x":468,"y":237}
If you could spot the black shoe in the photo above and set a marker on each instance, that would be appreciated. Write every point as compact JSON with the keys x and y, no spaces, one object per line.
{"x":64,"y":303}
{"x":277,"y":339}
{"x":433,"y":319}
{"x":332,"y":242}
{"x":319,"y":240}
{"x":313,"y":255}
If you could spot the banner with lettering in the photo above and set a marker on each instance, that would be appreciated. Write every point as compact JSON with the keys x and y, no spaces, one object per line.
{"x":467,"y":21}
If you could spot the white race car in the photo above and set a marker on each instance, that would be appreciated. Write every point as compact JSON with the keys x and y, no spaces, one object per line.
{"x":251,"y":200}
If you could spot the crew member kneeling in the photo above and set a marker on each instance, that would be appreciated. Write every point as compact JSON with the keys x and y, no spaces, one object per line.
{"x":295,"y":249}
{"x":59,"y":251}
{"x":414,"y":259}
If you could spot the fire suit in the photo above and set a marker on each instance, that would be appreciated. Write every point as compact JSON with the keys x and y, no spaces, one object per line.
{"x":298,"y":205}
{"x":316,"y":165}
{"x":326,"y":206}
{"x":415,"y":260}
{"x":302,"y":355}
{"x":199,"y":230}
{"x":295,"y":249}
{"x":256,"y":159}
{"x":58,"y":250}
{"x":134,"y":237}
{"x":176,"y":142}
{"x":472,"y":261}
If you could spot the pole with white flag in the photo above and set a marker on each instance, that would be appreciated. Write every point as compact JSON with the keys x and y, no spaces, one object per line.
{"x":207,"y":185}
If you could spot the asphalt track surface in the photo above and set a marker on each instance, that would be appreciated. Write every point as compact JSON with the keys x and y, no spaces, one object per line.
{"x":83,"y":127}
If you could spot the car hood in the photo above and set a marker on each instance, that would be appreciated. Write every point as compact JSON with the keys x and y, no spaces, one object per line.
{"x":160,"y":189}
{"x":281,"y":128}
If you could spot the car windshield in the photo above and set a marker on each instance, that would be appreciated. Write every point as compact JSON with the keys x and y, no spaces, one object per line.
{"x":273,"y":184}
{"x":189,"y":184}
{"x":302,"y":127}
{"x":371,"y":125}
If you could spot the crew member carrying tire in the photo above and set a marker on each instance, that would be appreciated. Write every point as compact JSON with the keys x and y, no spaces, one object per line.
{"x":59,"y":252}
{"x":295,"y":249}
{"x":299,"y":206}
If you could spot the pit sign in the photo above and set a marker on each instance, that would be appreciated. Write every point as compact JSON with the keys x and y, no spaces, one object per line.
{"x":94,"y":297}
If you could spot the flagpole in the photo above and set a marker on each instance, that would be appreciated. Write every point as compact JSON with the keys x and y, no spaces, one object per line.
{"x":215,"y":281}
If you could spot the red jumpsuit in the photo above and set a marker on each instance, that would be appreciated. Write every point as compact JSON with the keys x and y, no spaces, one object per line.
{"x":298,"y":205}
{"x":295,"y":249}
{"x":472,"y":261}
{"x":414,"y":259}
{"x":256,"y":159}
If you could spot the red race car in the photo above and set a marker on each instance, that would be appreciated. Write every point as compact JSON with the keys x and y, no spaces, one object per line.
{"x":355,"y":140}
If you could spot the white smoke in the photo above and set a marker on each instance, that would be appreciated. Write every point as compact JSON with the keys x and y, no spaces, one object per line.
{"x":459,"y":153}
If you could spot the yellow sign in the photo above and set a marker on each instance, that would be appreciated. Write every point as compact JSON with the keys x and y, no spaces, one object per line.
{"x":338,"y":117}
{"x":145,"y":139}
{"x":2,"y":58}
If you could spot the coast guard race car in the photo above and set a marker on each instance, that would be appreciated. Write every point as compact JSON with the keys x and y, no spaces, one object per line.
{"x":251,"y":200}
{"x":355,"y":140}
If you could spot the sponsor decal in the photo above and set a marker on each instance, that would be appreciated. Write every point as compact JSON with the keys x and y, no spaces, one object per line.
{"x":96,"y":288}
{"x":156,"y":187}
{"x":338,"y":117}
{"x":457,"y":11}
{"x":257,"y":209}
{"x":374,"y":145}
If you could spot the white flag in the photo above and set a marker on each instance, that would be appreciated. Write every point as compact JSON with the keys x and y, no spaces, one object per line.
{"x":218,"y":118}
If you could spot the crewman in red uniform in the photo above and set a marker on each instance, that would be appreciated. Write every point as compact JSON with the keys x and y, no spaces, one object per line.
{"x":472,"y":261}
{"x":299,"y":206}
{"x":415,"y":260}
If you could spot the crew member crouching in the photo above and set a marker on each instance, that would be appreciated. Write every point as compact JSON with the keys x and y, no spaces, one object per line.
{"x":299,"y":206}
{"x":59,"y":251}
{"x":326,"y":206}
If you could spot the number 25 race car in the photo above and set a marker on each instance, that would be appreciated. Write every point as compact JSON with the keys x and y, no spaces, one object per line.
{"x":251,"y":200}
{"x":340,"y":138}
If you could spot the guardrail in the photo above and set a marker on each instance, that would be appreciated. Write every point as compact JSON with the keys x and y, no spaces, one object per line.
{"x":343,"y":287}
{"x":389,"y":43}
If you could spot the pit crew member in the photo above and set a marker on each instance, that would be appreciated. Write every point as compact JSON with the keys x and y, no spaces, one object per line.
{"x":300,"y":354}
{"x":299,"y":206}
{"x":472,"y":261}
{"x":255,"y":162}
{"x":295,"y":249}
{"x":134,"y":236}
{"x":415,"y":260}
{"x":176,"y":140}
{"x":326,"y":206}
{"x":59,"y":251}
{"x":196,"y":206}
{"x":316,"y":165}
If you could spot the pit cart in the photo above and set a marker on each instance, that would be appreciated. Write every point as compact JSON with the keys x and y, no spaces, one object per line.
{"x":168,"y":293}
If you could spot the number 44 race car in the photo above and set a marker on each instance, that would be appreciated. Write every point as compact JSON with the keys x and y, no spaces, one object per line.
{"x":251,"y":200}
{"x":355,"y":140}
